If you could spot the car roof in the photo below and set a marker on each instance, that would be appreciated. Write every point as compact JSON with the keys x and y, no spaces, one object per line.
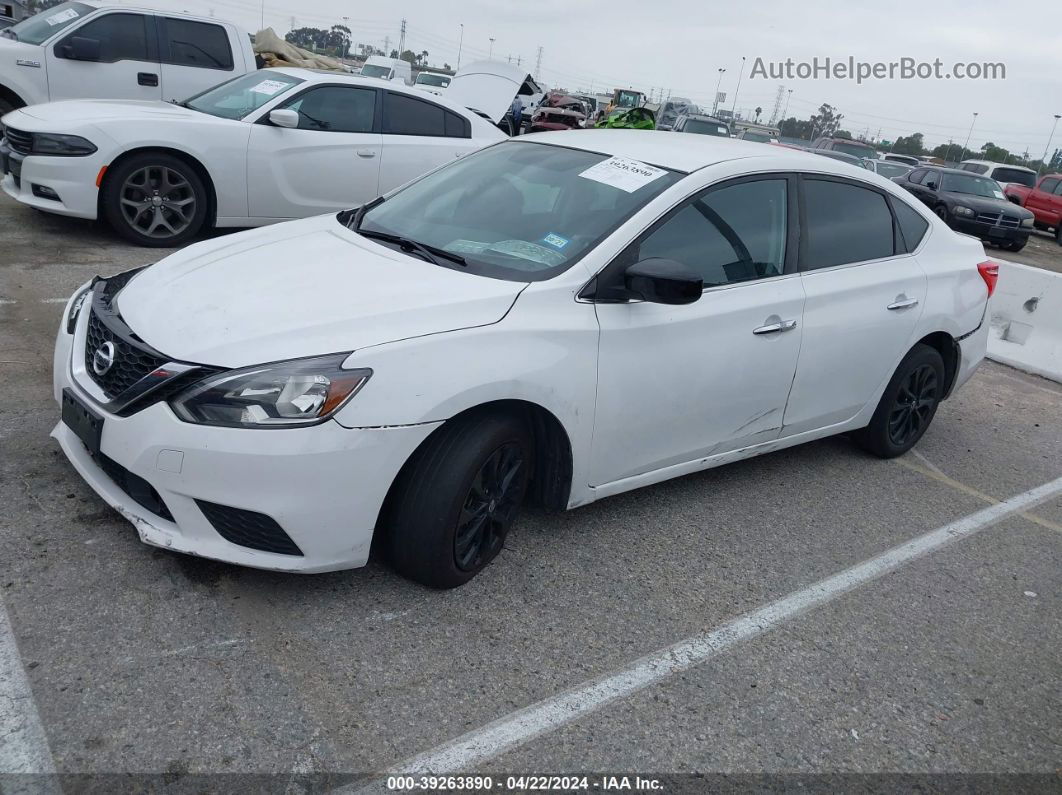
{"x":997,"y":164}
{"x":961,"y":171}
{"x":684,"y":152}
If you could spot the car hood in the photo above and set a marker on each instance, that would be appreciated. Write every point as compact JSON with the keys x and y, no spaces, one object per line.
{"x":489,"y":87}
{"x":983,"y":204}
{"x":297,"y":289}
{"x":96,"y":110}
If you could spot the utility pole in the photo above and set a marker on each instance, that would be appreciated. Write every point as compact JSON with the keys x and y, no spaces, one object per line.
{"x":402,"y":40}
{"x":263,"y":16}
{"x":1043,"y":160}
{"x":491,"y":54}
{"x":460,"y":45}
{"x":387,"y":46}
{"x":972,"y":123}
{"x":777,"y":104}
{"x":538,"y":63}
{"x":733,"y":108}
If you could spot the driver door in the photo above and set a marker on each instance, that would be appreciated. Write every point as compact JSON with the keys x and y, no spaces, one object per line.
{"x":331,"y":162}
{"x":677,"y":383}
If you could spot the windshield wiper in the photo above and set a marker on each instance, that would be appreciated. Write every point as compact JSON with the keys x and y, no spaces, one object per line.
{"x":430,"y":253}
{"x":355,"y":220}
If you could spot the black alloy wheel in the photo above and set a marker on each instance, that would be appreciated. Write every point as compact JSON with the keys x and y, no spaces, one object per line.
{"x":489,"y":508}
{"x":914,"y":405}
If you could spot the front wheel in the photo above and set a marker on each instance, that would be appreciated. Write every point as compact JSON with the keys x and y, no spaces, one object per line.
{"x":457,"y":498}
{"x":1014,"y":245}
{"x":156,"y":200}
{"x":942,"y":211}
{"x":1058,"y":233}
{"x":907,"y":406}
{"x":6,"y":106}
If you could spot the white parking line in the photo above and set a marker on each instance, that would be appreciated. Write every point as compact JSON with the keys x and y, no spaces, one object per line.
{"x":520,"y":727}
{"x":23,"y":743}
{"x":54,"y":300}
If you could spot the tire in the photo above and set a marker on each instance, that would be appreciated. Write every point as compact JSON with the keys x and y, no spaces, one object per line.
{"x":907,"y":405}
{"x":942,"y":213}
{"x":6,"y":106}
{"x":155,"y":200}
{"x":1058,"y":234}
{"x":1014,"y":246}
{"x":456,"y":499}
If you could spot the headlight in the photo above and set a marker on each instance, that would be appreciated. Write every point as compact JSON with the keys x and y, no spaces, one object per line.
{"x":279,"y":395}
{"x":1028,"y":221}
{"x":75,"y":308}
{"x":966,"y":212}
{"x":61,"y":145}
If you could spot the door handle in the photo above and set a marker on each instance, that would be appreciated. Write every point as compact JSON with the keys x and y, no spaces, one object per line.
{"x":776,"y":328}
{"x":903,"y":304}
{"x":366,"y":153}
{"x":147,"y":78}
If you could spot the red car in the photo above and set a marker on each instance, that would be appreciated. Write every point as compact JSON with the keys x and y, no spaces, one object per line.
{"x":1044,"y":200}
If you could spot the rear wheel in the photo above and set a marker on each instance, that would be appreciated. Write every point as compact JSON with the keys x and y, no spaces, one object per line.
{"x":156,"y":200}
{"x":456,"y":500}
{"x":907,"y":406}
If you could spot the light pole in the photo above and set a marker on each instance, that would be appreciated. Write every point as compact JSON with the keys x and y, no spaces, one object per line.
{"x":491,"y":54}
{"x":263,"y":16}
{"x":460,"y":44}
{"x":733,"y":108}
{"x":972,"y":123}
{"x":715,"y":102}
{"x":1043,"y":160}
{"x":785,"y":113}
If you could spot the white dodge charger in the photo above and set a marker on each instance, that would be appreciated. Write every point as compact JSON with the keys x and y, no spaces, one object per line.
{"x":560,"y":317}
{"x":267,"y":146}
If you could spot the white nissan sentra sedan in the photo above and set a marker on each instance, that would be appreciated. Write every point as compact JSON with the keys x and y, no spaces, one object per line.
{"x":559,"y":317}
{"x":267,"y":146}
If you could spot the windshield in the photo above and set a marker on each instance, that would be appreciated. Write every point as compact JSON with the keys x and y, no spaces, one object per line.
{"x":375,"y":70}
{"x":974,"y":186}
{"x":1017,"y":175}
{"x":706,"y":128}
{"x":762,"y":138}
{"x":855,"y":150}
{"x":890,"y":169}
{"x":41,"y":26}
{"x":520,"y":211}
{"x":441,"y":81}
{"x":242,"y":95}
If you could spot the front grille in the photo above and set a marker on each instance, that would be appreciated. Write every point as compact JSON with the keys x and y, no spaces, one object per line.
{"x":21,"y":142}
{"x":131,"y":362}
{"x":999,"y":219}
{"x":248,"y":529}
{"x":141,"y":492}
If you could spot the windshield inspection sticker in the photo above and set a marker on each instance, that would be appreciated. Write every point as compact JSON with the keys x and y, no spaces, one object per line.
{"x":61,"y":17}
{"x":555,"y":240}
{"x":619,"y":172}
{"x":269,"y":87}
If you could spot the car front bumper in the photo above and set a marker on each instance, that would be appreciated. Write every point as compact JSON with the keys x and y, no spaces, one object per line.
{"x":984,"y":231}
{"x":324,"y":485}
{"x":73,"y":179}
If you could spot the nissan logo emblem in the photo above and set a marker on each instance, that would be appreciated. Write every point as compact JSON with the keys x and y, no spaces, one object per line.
{"x":103,"y":358}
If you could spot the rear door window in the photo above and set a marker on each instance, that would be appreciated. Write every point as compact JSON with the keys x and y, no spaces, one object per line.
{"x":913,"y":226}
{"x":846,"y":223}
{"x":1049,"y":185}
{"x":200,"y":44}
{"x":404,"y":115}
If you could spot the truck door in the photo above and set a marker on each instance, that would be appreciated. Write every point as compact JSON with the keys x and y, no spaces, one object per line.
{"x":113,"y":55}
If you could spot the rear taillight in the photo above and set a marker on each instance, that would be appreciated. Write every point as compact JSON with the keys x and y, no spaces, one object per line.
{"x":990,"y":273}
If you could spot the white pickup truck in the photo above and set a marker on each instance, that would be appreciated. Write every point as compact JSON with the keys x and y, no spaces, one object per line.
{"x":80,"y":50}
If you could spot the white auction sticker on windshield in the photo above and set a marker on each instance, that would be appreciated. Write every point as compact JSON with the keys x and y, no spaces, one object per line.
{"x":619,"y":172}
{"x":269,"y":87}
{"x":61,"y":17}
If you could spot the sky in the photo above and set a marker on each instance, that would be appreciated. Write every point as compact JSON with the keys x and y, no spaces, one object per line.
{"x":678,"y":46}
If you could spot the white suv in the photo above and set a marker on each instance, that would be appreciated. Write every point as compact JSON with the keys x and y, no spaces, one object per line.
{"x":1001,"y":172}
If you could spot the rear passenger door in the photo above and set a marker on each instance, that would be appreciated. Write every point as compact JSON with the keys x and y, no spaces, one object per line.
{"x":194,"y":55}
{"x":864,"y":297}
{"x":127,"y":66}
{"x":418,"y":135}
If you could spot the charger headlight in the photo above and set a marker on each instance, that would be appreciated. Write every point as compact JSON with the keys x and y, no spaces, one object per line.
{"x":279,"y":395}
{"x":55,"y":144}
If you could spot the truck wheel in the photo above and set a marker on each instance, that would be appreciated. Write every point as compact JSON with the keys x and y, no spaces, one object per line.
{"x":1058,"y":234}
{"x":155,"y":200}
{"x":456,"y":499}
{"x":5,"y":106}
{"x":1015,"y":245}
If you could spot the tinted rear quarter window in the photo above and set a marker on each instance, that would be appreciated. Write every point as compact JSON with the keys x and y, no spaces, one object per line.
{"x":846,"y":224}
{"x":201,"y":44}
{"x":913,"y":226}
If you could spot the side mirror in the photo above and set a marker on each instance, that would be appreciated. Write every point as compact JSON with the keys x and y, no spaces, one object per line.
{"x":285,"y":118}
{"x":663,"y":281}
{"x":81,"y":48}
{"x":931,"y":185}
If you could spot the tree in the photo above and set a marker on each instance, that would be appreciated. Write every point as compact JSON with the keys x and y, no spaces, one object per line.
{"x":795,"y":128}
{"x":842,"y":134}
{"x":909,"y":145}
{"x":758,"y":112}
{"x":408,"y":55}
{"x":826,"y":121}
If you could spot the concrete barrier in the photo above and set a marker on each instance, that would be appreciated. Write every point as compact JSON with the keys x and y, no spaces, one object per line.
{"x":1026,"y":320}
